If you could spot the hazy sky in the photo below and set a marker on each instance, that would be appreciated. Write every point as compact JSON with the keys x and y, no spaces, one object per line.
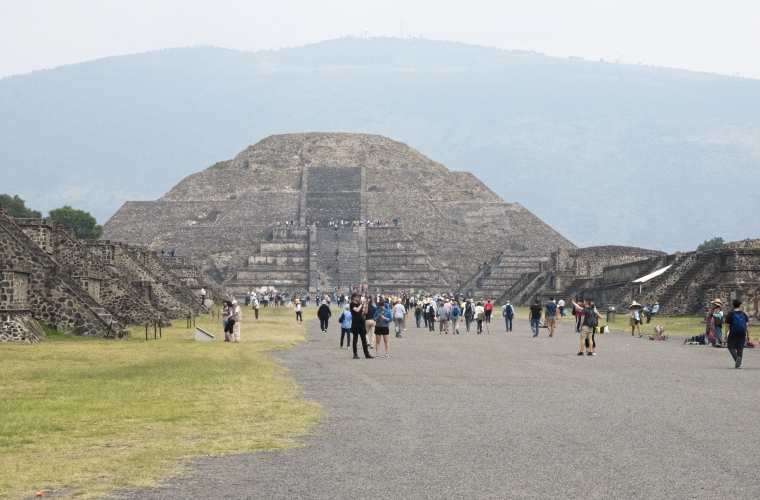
{"x":705,"y":35}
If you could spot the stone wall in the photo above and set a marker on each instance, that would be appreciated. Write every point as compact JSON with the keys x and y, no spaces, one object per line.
{"x":687,"y":286}
{"x":19,"y":326}
{"x":52,"y":295}
{"x":96,"y":275}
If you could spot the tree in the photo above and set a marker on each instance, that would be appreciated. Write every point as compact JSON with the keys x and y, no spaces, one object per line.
{"x":716,"y":242}
{"x":84,"y":225}
{"x":16,"y":207}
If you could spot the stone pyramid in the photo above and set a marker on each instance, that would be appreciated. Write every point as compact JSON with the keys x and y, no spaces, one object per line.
{"x":439,"y":225}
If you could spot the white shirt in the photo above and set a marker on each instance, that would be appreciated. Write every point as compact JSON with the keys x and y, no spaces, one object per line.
{"x":399,"y":311}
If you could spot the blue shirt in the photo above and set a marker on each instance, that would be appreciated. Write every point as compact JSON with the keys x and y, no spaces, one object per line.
{"x":551,"y":309}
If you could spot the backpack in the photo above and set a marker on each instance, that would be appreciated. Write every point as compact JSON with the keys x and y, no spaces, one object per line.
{"x":455,"y":312}
{"x":591,"y":319}
{"x":488,"y":307}
{"x":508,"y":311}
{"x":739,"y":322}
{"x":468,"y":310}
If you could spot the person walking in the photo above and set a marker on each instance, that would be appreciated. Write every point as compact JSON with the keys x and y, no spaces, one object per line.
{"x":508,"y":312}
{"x":345,"y":326}
{"x":550,"y":315}
{"x":255,"y":306}
{"x":324,"y":313}
{"x":737,"y":323}
{"x":224,"y":314}
{"x":535,"y":317}
{"x":297,"y":309}
{"x":488,"y":309}
{"x":561,"y":305}
{"x":418,"y":313}
{"x":469,"y":313}
{"x":430,"y":312}
{"x":383,"y":320}
{"x":634,"y":311}
{"x":237,"y":320}
{"x":716,"y":315}
{"x":357,"y":325}
{"x":589,"y":323}
{"x":456,"y":316}
{"x":399,"y":312}
{"x":443,"y":319}
{"x":369,"y":320}
{"x":480,"y":316}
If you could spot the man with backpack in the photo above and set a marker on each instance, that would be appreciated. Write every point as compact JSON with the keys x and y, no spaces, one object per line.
{"x":508,"y":312}
{"x":590,"y":320}
{"x":456,"y":315}
{"x":738,"y":332}
{"x":430,"y":311}
{"x":469,"y":313}
{"x":488,"y":308}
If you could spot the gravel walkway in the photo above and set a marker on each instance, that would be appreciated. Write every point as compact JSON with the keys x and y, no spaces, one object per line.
{"x":505,"y":415}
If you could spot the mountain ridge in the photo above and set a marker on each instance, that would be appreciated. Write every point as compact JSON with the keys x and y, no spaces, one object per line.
{"x":537,"y":130}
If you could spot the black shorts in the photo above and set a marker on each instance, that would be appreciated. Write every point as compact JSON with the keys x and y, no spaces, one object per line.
{"x":382,"y":330}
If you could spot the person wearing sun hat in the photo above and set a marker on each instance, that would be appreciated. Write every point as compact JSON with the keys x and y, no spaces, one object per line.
{"x":635,"y":312}
{"x":297,"y":309}
{"x":716,"y":318}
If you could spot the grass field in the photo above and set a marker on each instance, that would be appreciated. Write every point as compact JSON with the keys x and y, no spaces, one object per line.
{"x":86,"y":416}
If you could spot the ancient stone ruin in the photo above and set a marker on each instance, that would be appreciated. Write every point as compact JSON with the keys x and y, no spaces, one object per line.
{"x":84,"y":287}
{"x":324,"y":212}
{"x":682,"y":283}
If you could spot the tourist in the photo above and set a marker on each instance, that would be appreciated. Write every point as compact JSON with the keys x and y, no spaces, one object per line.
{"x":561,"y":305}
{"x":345,"y":327}
{"x":551,"y":315}
{"x":324,"y":313}
{"x":535,"y":317}
{"x":255,"y":305}
{"x":456,"y":315}
{"x":655,"y":309}
{"x":716,"y":315}
{"x":237,"y":319}
{"x":369,"y":320}
{"x":578,"y":313}
{"x":443,"y":319}
{"x":297,"y":309}
{"x":203,"y":296}
{"x":488,"y":308}
{"x":382,"y":331}
{"x":229,"y":322}
{"x":647,"y":312}
{"x":418,"y":313}
{"x":430,"y":312}
{"x":508,"y":312}
{"x":737,"y":323}
{"x":357,"y":324}
{"x":224,"y":314}
{"x":480,"y":316}
{"x":590,"y":321}
{"x":634,"y":311}
{"x":469,"y":313}
{"x":399,"y":312}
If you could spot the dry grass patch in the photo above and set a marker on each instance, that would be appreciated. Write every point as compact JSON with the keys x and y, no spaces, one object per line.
{"x":88,"y":416}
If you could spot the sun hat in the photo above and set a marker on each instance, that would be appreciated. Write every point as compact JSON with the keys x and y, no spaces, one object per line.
{"x":635,"y":305}
{"x":717,"y":302}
